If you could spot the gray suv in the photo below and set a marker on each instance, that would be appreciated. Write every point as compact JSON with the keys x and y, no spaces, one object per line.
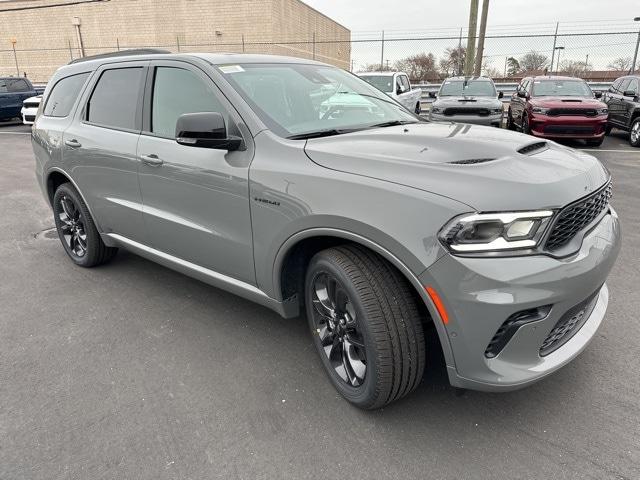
{"x":468,"y":100}
{"x":301,"y":187}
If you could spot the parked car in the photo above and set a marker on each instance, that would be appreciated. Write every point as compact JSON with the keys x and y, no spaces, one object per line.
{"x":13,"y":90}
{"x":558,"y":107}
{"x":623,"y":102}
{"x":375,"y":223}
{"x":468,"y":100}
{"x":397,"y":86}
{"x":30,"y":109}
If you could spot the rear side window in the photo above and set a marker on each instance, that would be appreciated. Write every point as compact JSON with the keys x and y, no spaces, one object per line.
{"x":177,"y":91}
{"x":18,"y":85}
{"x":114,"y":101}
{"x":63,"y":95}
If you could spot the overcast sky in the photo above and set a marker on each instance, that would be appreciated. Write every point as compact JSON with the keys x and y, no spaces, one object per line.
{"x":366,"y":15}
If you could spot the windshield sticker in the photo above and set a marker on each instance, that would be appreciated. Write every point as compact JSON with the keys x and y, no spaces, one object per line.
{"x":231,"y":68}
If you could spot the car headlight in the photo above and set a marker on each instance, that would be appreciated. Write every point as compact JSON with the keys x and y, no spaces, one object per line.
{"x":603,"y":111}
{"x":436,"y":110}
{"x":540,"y":110}
{"x":496,"y":110}
{"x":494,"y":232}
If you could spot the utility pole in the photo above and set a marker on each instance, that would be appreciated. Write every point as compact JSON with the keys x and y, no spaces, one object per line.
{"x":459,"y":65}
{"x":635,"y":55}
{"x":553,"y":51}
{"x":506,"y":59}
{"x":15,"y":56}
{"x":75,"y":21}
{"x":382,"y":53}
{"x":471,"y":38}
{"x":483,"y":29}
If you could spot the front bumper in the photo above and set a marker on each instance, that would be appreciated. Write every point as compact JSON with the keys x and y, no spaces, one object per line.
{"x":28,"y":115}
{"x":481,"y":293}
{"x":494,"y":120}
{"x":567,"y":126}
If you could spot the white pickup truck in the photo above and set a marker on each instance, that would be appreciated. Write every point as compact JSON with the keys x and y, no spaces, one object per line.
{"x":397,"y":86}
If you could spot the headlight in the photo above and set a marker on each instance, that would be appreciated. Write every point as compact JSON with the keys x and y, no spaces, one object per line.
{"x":603,"y":111}
{"x":487,"y":232}
{"x":436,"y":110}
{"x":540,"y":110}
{"x":496,"y":110}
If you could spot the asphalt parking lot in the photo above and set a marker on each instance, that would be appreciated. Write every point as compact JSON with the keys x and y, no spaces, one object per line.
{"x":134,"y":371}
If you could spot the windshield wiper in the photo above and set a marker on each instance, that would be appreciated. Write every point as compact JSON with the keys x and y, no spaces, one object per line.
{"x":322,"y":133}
{"x":392,"y":123}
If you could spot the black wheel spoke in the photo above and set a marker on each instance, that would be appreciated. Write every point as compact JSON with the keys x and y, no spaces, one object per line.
{"x":353,"y":364}
{"x":71,"y":226}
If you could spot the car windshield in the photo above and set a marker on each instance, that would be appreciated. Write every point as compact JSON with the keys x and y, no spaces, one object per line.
{"x":384,"y":83}
{"x":300,"y":101}
{"x":561,"y":88}
{"x":467,"y":88}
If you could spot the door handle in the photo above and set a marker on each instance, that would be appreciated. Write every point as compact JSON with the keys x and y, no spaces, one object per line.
{"x":72,"y":143}
{"x":152,"y":160}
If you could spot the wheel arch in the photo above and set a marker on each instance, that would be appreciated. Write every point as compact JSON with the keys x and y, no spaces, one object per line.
{"x":56,"y":177}
{"x":294,"y":255}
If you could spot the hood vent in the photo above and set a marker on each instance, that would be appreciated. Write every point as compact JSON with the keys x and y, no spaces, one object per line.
{"x":571,"y":100}
{"x":471,"y":161}
{"x":533,"y":148}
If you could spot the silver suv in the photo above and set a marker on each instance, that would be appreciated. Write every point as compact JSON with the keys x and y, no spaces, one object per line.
{"x":301,"y":187}
{"x":468,"y":100}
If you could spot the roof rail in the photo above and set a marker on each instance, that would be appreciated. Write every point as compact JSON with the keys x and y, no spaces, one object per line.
{"x":120,"y":53}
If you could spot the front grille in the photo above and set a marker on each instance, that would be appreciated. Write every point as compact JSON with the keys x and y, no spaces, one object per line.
{"x":30,"y":105}
{"x":30,"y":118}
{"x":569,"y":129}
{"x":576,"y":216}
{"x":580,"y":112}
{"x":568,"y":325}
{"x":481,"y":112}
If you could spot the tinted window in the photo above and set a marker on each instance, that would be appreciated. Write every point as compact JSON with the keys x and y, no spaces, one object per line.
{"x":615,"y":88}
{"x":63,"y":96}
{"x":624,"y":85}
{"x":177,"y":91}
{"x":633,"y":85}
{"x":114,"y":101}
{"x":18,"y":85}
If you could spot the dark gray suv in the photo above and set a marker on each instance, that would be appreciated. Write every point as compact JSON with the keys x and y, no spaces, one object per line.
{"x":623,"y":101}
{"x":301,"y":187}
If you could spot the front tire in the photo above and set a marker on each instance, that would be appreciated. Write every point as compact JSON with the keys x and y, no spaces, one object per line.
{"x":418,"y":109}
{"x":510,"y":124}
{"x":634,"y":133}
{"x":76,"y":229}
{"x":365,"y":324}
{"x":525,"y":124}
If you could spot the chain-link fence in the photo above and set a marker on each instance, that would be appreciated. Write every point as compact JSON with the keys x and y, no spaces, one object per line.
{"x":597,"y":56}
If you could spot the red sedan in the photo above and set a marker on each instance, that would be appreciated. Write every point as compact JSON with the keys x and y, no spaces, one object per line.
{"x":558,"y":107}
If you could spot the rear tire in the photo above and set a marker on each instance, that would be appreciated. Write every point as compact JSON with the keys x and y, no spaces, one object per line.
{"x":76,"y":229}
{"x":356,"y":297}
{"x":525,"y":124}
{"x":634,"y":132}
{"x":510,"y":124}
{"x":607,"y":130}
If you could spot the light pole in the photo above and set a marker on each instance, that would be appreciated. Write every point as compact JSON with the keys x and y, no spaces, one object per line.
{"x":635,"y":55}
{"x":558,"y":68}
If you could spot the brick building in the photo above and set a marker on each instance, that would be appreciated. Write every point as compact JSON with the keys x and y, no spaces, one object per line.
{"x":49,"y":33}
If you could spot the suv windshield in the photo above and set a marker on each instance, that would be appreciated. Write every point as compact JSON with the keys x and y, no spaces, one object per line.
{"x":561,"y":88}
{"x":296,"y":100}
{"x":467,"y":88}
{"x":384,"y":83}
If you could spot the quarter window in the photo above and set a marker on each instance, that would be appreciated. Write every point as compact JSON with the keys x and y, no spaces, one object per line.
{"x":177,"y":91}
{"x":63,"y":95}
{"x":114,"y":101}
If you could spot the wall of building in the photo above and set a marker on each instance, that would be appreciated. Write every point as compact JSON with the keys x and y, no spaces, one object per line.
{"x":46,"y":38}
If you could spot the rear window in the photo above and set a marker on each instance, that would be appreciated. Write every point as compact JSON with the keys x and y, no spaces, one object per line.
{"x":114,"y":100}
{"x":18,"y":85}
{"x":63,"y":95}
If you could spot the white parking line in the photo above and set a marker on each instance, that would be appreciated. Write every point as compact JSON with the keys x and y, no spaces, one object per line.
{"x":15,"y":133}
{"x":608,"y":151}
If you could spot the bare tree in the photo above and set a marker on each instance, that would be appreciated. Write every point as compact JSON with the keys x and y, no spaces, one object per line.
{"x":513,"y":66}
{"x":574,"y":68}
{"x":488,"y":70}
{"x":419,"y":67}
{"x":533,"y":61}
{"x":453,"y":61}
{"x":620,"y":64}
{"x":375,"y":67}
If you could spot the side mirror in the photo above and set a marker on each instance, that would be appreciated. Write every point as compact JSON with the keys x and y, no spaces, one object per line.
{"x":399,"y":91}
{"x":522,"y":94}
{"x":205,"y":130}
{"x":500,"y":94}
{"x":629,"y":93}
{"x":433,"y":94}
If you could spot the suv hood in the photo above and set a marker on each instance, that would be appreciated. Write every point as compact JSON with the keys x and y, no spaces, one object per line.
{"x":468,"y":101}
{"x":490,"y":173}
{"x":567,"y":102}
